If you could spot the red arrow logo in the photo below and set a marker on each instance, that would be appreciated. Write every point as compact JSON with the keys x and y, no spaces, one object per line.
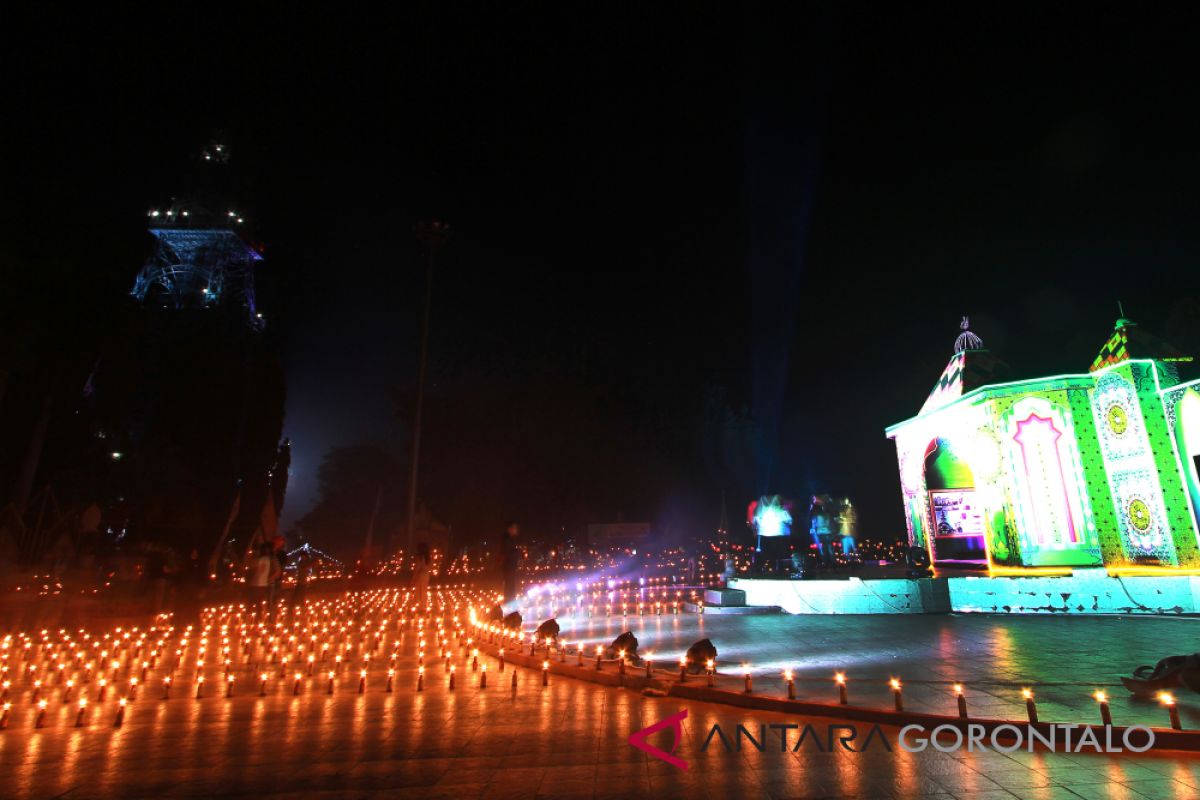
{"x":638,"y":739}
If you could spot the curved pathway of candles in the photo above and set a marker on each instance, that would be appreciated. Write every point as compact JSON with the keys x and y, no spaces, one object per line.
{"x":1071,"y":665}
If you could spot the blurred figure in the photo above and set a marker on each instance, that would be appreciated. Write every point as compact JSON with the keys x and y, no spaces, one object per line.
{"x":421,"y":568}
{"x":819,"y":528}
{"x":510,"y":558}
{"x":263,"y":571}
{"x":848,"y":527}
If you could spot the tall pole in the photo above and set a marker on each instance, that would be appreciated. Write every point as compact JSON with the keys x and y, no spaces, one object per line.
{"x":433,"y":234}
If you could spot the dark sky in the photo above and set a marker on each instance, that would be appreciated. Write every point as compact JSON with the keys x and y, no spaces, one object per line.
{"x":649,"y":200}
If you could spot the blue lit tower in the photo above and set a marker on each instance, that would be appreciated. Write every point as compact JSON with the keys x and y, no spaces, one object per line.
{"x":201,"y":257}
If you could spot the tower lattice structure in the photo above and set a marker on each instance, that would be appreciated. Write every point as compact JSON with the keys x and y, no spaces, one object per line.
{"x":201,"y":257}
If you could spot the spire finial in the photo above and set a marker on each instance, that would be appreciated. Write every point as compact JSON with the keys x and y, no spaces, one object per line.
{"x":967,"y":340}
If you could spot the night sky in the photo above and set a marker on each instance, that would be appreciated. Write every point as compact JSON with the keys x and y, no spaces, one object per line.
{"x":647,"y":204}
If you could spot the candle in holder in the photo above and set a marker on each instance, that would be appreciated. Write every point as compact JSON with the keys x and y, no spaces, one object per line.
{"x":649,"y":666}
{"x":711,"y":672}
{"x":41,"y":717}
{"x":621,"y":662}
{"x":682,"y":669}
{"x":1105,"y":713}
{"x":451,"y":684}
{"x":4,"y":711}
{"x":599,"y":651}
{"x":362,"y":681}
{"x":897,"y":697}
{"x":962,"y":700}
{"x":295,"y":685}
{"x":1030,"y":706}
{"x":843,"y":693}
{"x":329,"y":687}
{"x":420,"y":679}
{"x":1168,"y":700}
{"x":483,"y":676}
{"x":229,"y":685}
{"x":791,"y":684}
{"x":391,"y":675}
{"x":120,"y":718}
{"x":82,"y":709}
{"x":545,"y":673}
{"x":167,"y":688}
{"x":103,"y":684}
{"x":749,"y":681}
{"x":199,"y":687}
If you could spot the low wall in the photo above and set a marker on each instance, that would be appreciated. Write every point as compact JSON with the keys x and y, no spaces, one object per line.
{"x":1083,"y":592}
{"x":1086,"y":591}
{"x":850,"y":596}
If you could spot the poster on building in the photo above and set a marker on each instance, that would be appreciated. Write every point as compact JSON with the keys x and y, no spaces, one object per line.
{"x":956,"y":513}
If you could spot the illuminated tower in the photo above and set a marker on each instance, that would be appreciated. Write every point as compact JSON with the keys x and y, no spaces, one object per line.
{"x":201,"y":257}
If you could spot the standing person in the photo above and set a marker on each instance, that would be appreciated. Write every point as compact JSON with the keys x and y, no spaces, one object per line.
{"x":262,"y":574}
{"x":510,"y":557}
{"x":421,"y":568}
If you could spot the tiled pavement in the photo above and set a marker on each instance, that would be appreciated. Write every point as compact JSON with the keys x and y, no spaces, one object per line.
{"x":1064,"y":660}
{"x":567,"y":740}
{"x":570,"y":739}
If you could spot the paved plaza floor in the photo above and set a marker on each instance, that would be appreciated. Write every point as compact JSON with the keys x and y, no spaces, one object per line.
{"x":1064,"y":660}
{"x":571,"y":739}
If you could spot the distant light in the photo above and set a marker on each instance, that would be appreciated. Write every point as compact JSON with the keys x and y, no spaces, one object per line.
{"x":117,"y":456}
{"x":239,"y":219}
{"x":259,"y":315}
{"x":154,"y":213}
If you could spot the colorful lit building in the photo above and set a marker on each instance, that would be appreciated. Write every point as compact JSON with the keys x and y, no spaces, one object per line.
{"x":1046,"y":474}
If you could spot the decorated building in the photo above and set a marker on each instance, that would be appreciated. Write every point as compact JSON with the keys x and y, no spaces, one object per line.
{"x":1045,"y":474}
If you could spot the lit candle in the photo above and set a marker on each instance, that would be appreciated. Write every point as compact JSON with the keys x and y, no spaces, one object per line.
{"x":451,"y":684}
{"x":599,"y":650}
{"x":1105,"y":713}
{"x":483,"y":676}
{"x":229,"y":685}
{"x":843,"y":695}
{"x":791,"y":684}
{"x":41,"y":717}
{"x":1168,"y":700}
{"x":420,"y":679}
{"x":682,"y":669}
{"x":897,"y":697}
{"x":1030,"y":706}
{"x":962,"y":700}
{"x":711,"y":672}
{"x":120,"y":713}
{"x":545,"y":673}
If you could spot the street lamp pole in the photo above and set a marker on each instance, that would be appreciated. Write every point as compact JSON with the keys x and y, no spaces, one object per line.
{"x":434,"y":235}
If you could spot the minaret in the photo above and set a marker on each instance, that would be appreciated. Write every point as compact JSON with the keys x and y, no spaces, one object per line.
{"x":967,"y":340}
{"x":201,"y":257}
